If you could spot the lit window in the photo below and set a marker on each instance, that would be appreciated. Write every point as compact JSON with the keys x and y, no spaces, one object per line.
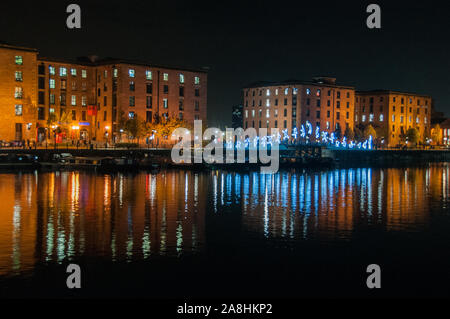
{"x":294,"y":91}
{"x":19,"y":76}
{"x":148,"y":75}
{"x":83,"y":100}
{"x":105,"y":74}
{"x":276,"y":91}
{"x":165,"y":105}
{"x":318,"y":92}
{"x":363,"y":118}
{"x":18,"y":109}
{"x":328,"y":125}
{"x":74,"y":100}
{"x":115,"y":72}
{"x":51,"y":70}
{"x":425,"y":120}
{"x":417,"y":120}
{"x":286,"y":91}
{"x":131,"y":115}
{"x":308,"y":91}
{"x":381,"y":118}
{"x":393,"y":118}
{"x":246,"y":113}
{"x":268,"y":92}
{"x":73,"y":72}
{"x":131,"y":73}
{"x":83,"y":74}
{"x":19,"y":60}
{"x":267,"y":113}
{"x":181,"y":78}
{"x":62,"y":71}
{"x":267,"y":102}
{"x":52,"y":83}
{"x":51,"y":110}
{"x":370,"y":117}
{"x":196,"y":80}
{"x":165,"y":76}
{"x":18,"y":93}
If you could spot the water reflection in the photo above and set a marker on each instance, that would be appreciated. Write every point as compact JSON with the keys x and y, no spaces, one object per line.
{"x":56,"y":217}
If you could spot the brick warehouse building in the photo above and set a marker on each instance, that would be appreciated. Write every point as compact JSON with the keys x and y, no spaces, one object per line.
{"x":290,"y":104}
{"x":90,"y":94}
{"x":392,"y":113}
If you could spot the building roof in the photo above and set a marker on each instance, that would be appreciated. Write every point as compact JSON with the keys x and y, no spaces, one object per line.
{"x":445,"y":123}
{"x":5,"y":45}
{"x":386,"y":92}
{"x":316,"y":82}
{"x":95,"y":61}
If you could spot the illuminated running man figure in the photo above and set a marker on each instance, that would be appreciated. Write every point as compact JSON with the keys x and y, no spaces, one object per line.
{"x":309,"y":126}
{"x":344,"y":142}
{"x":302,"y":131}
{"x":324,"y":137}
{"x":295,"y":133}
{"x":317,"y":132}
{"x":332,"y":138}
{"x":285,"y":135}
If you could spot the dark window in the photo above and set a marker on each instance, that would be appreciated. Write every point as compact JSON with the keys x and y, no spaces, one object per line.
{"x":83,"y":115}
{"x":41,"y":97}
{"x":149,"y":102}
{"x":285,"y":101}
{"x":41,"y":83}
{"x":318,"y":103}
{"x":180,"y":105}
{"x":41,"y":69}
{"x":41,"y":113}
{"x":132,"y":86}
{"x":105,"y":115}
{"x":131,"y":100}
{"x":308,"y":101}
{"x":197,"y":92}
{"x":166,"y":89}
{"x":181,"y":91}
{"x":338,"y":115}
{"x":62,"y":99}
{"x":196,"y":106}
{"x":74,"y":115}
{"x":317,"y":114}
{"x":148,"y":116}
{"x":114,"y":100}
{"x":105,"y":100}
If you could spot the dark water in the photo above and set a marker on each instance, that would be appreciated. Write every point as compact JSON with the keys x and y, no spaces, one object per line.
{"x":215,"y":234}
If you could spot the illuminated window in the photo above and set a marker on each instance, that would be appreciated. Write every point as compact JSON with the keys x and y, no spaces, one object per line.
{"x":148,"y":75}
{"x":363,"y":118}
{"x":425,"y":120}
{"x":318,"y":92}
{"x":196,"y":80}
{"x":73,"y":72}
{"x":328,"y":125}
{"x":52,"y":99}
{"x":18,"y":93}
{"x":115,"y":72}
{"x":105,"y":74}
{"x":267,"y":113}
{"x":417,"y":120}
{"x":19,"y":76}
{"x":18,"y":109}
{"x":393,"y":118}
{"x":181,"y":78}
{"x":52,"y":83}
{"x":51,"y":70}
{"x":276,"y":91}
{"x":83,"y":100}
{"x":74,"y":100}
{"x":294,"y":91}
{"x":381,"y":118}
{"x":370,"y":117}
{"x":267,"y":102}
{"x":165,"y":103}
{"x":253,"y":113}
{"x":246,"y":113}
{"x":286,"y":91}
{"x":165,"y":76}
{"x":83,"y":74}
{"x":131,"y":115}
{"x":62,"y":71}
{"x":268,"y":92}
{"x":131,"y":73}
{"x":276,"y":113}
{"x":19,"y":60}
{"x":308,"y":91}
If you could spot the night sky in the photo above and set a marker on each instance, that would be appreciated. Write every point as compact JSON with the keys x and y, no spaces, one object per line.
{"x":242,"y":42}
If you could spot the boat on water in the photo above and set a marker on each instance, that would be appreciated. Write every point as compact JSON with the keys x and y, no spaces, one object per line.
{"x":18,"y":161}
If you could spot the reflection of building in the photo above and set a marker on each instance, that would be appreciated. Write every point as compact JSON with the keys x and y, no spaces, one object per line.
{"x":289,"y":104}
{"x":91,"y":93}
{"x":393,"y":113}
{"x":237,"y":116}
